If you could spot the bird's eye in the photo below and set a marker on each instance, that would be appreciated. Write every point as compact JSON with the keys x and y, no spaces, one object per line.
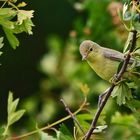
{"x":90,"y":49}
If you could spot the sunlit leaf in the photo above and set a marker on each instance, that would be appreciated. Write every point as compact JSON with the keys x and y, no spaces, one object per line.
{"x":45,"y":136}
{"x":100,"y":129}
{"x":24,"y":15}
{"x":11,"y":38}
{"x":7,"y":23}
{"x":7,"y":13}
{"x":12,"y":118}
{"x":22,"y":4}
{"x":12,"y":107}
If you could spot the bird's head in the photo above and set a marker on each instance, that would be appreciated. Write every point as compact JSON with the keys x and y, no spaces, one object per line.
{"x":88,"y":49}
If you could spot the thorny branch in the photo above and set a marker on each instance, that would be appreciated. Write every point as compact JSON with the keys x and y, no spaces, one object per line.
{"x":109,"y":91}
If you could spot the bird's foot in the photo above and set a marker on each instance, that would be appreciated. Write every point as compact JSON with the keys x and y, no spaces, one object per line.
{"x":114,"y":80}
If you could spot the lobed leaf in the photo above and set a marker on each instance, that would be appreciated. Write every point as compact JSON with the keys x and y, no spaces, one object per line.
{"x":12,"y":118}
{"x":122,"y":92}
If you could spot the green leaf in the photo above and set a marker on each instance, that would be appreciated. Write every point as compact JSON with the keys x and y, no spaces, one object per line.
{"x":65,"y":130}
{"x":12,"y":118}
{"x":122,"y":92}
{"x":133,"y":104}
{"x":7,"y":13}
{"x":124,"y":119}
{"x":100,"y":129}
{"x":26,"y":26}
{"x":11,"y":38}
{"x":45,"y":136}
{"x":10,"y":99}
{"x":12,"y":106}
{"x":64,"y":133}
{"x":6,"y":23}
{"x":136,"y":26}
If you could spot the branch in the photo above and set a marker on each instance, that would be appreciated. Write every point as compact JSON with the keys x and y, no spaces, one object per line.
{"x":72,"y":116}
{"x":108,"y":93}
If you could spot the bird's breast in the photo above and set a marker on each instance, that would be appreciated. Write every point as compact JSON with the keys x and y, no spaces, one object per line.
{"x":104,"y":67}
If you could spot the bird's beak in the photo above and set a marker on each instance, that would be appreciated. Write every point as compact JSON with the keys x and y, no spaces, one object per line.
{"x":84,"y":57}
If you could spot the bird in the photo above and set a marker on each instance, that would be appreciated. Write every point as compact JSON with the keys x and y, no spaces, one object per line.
{"x":104,"y":61}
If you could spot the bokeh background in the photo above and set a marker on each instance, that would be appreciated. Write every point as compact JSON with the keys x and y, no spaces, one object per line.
{"x":47,"y":66}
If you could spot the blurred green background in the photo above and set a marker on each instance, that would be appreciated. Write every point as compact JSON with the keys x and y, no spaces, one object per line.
{"x":47,"y":66}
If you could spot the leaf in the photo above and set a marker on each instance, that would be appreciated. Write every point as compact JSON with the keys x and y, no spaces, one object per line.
{"x":45,"y":136}
{"x":128,"y":41}
{"x":125,"y":7}
{"x":84,"y":88}
{"x":7,"y":23}
{"x":65,"y":130}
{"x":133,"y":104}
{"x":12,"y":118}
{"x":10,"y":99}
{"x":122,"y":92}
{"x":12,"y":106}
{"x":64,"y":133}
{"x":22,"y":4}
{"x":11,"y":38}
{"x":26,"y":26}
{"x":136,"y":26}
{"x":123,"y":119}
{"x":24,"y":15}
{"x":100,"y":129}
{"x":7,"y":13}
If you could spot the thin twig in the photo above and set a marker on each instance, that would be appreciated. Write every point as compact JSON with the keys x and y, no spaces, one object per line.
{"x":50,"y":125}
{"x":72,"y":116}
{"x":118,"y":78}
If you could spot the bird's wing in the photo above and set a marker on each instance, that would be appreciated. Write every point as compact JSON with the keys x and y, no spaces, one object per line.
{"x":113,"y":54}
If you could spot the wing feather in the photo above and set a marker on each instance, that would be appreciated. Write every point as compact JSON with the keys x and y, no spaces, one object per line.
{"x":115,"y":55}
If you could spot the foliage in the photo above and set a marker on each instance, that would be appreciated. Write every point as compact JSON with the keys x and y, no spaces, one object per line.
{"x":12,"y":115}
{"x":68,"y":78}
{"x":14,"y":21}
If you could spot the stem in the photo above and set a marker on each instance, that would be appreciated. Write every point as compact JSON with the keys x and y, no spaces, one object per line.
{"x":5,"y":131}
{"x":72,"y":116}
{"x":118,"y":78}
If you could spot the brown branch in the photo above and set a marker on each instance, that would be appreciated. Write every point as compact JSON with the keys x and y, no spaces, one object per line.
{"x":118,"y":78}
{"x":72,"y":116}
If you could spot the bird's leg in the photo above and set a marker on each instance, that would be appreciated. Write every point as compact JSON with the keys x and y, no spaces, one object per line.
{"x":101,"y":97}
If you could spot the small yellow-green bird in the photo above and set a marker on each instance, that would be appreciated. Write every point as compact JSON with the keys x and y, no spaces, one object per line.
{"x":103,"y":61}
